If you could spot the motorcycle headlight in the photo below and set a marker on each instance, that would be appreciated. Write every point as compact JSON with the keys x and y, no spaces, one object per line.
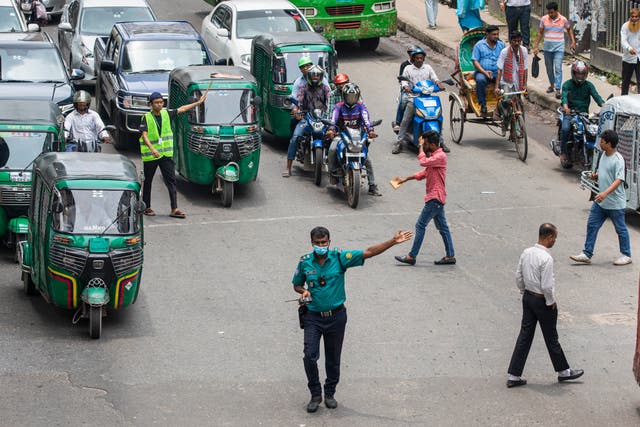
{"x":354,"y":142}
{"x":427,"y":90}
{"x":317,"y":126}
{"x":66,"y":109}
{"x":592,"y":128}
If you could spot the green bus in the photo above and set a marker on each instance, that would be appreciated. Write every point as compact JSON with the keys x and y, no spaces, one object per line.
{"x":363,"y":20}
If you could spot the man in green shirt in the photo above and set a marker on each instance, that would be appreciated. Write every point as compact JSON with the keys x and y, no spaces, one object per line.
{"x":576,"y":95}
{"x":326,"y":316}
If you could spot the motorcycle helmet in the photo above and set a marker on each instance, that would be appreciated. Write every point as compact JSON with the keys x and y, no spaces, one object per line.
{"x":411,"y":49}
{"x":341,"y":78}
{"x":305,"y":60}
{"x":350,"y":94}
{"x":81,"y":96}
{"x":315,"y":75}
{"x":418,"y":51}
{"x":579,"y":72}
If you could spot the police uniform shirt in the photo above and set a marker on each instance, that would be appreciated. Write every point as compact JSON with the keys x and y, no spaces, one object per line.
{"x":326,"y":282}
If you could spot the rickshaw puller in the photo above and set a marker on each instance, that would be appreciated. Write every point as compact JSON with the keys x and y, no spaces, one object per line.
{"x":156,"y":149}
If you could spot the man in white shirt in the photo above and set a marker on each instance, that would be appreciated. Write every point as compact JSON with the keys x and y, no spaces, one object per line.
{"x":414,"y":72}
{"x":84,"y":124}
{"x":630,"y":43}
{"x":535,"y":280}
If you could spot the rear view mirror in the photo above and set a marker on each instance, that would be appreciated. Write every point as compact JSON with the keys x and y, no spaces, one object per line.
{"x":109,"y":66}
{"x":222,"y":32}
{"x":318,"y":28}
{"x":65,"y":26}
{"x":449,"y":82}
{"x":257,"y":101}
{"x":4,"y":152}
{"x":77,"y":74}
{"x":220,"y":61}
{"x":33,"y":28}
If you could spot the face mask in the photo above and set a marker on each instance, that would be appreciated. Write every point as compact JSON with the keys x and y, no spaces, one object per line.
{"x":320,"y":250}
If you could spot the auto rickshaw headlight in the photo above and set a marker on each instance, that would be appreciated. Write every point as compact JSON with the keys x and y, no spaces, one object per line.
{"x":61,"y":239}
{"x":246,"y":59}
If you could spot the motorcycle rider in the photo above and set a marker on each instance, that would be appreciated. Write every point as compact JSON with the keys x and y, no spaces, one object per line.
{"x":401,"y":98}
{"x":576,"y":96}
{"x":339,"y":81}
{"x":84,"y":124}
{"x":414,"y":73}
{"x":316,"y":94}
{"x":351,"y":113}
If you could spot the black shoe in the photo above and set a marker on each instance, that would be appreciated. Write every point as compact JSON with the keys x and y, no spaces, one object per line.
{"x":516,"y":383}
{"x":445,"y":261}
{"x":330,"y":402}
{"x":314,"y":403}
{"x":573,"y":375}
{"x":445,"y":148}
{"x":373,"y":190}
{"x":406,"y":260}
{"x":483,"y":110}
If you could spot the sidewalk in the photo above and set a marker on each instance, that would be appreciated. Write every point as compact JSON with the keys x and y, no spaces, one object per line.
{"x":412,"y":20}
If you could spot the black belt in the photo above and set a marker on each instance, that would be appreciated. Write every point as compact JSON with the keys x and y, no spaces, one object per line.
{"x":329,"y":313}
{"x":535,"y":294}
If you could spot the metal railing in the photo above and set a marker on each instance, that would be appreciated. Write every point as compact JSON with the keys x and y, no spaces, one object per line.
{"x":616,"y":13}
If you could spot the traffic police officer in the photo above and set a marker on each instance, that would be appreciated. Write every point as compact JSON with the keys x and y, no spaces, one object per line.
{"x":326,"y":316}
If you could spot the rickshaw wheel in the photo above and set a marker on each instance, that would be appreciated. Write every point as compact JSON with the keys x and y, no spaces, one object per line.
{"x":227,"y":193}
{"x":95,"y":321}
{"x":353,"y":188}
{"x":456,"y":119}
{"x":519,"y":132}
{"x":28,"y":285}
{"x":318,"y":166}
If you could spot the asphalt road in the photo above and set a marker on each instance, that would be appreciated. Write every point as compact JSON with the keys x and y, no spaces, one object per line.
{"x":211,"y":342}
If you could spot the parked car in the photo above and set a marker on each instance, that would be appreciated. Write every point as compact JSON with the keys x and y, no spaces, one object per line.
{"x":31,"y":68}
{"x":134,"y":61}
{"x":12,"y":20}
{"x":231,"y":26}
{"x":85,"y":20}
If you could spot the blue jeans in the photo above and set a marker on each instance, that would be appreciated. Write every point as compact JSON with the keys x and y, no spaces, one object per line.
{"x":519,"y":15}
{"x":301,"y":128}
{"x":565,"y":132}
{"x":553,"y":64}
{"x":432,"y":209}
{"x":597,"y":217}
{"x":400,"y":109}
{"x":331,"y":329}
{"x":481,"y":87}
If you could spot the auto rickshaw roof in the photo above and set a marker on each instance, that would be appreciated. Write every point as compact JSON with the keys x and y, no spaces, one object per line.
{"x":29,"y":112}
{"x":207,"y":73}
{"x":62,"y":166}
{"x":272,"y":41}
{"x":627,"y":104}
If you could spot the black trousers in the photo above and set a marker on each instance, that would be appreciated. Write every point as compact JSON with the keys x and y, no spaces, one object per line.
{"x":627,"y":72}
{"x":534,"y":310}
{"x":331,"y":329}
{"x":168,"y":170}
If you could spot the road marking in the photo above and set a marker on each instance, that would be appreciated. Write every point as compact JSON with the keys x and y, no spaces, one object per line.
{"x":349,"y":215}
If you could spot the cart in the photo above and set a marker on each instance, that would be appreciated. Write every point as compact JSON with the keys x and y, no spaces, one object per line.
{"x":465,"y":106}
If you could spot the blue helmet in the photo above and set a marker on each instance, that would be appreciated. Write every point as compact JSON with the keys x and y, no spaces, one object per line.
{"x":418,"y":51}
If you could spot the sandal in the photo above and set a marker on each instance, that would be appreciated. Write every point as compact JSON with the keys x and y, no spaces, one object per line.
{"x":177,"y":214}
{"x":286,"y":174}
{"x":149,"y":212}
{"x":550,"y":89}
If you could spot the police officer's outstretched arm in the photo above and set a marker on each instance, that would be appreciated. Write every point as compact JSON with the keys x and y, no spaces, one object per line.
{"x":185,"y":108}
{"x":400,"y":237}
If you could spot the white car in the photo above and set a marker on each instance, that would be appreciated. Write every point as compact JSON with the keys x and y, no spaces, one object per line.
{"x":231,"y":26}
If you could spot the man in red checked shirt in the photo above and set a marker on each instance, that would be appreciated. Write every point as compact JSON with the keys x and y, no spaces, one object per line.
{"x":435,"y":172}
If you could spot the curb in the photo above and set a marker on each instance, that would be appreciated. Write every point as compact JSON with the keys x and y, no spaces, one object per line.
{"x":535,"y":96}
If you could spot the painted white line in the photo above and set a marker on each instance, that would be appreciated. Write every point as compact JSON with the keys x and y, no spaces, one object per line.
{"x":350,"y":215}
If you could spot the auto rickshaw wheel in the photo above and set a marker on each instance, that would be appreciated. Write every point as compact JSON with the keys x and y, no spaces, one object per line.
{"x":227,"y":193}
{"x":95,"y":321}
{"x":353,"y":187}
{"x":519,"y":131}
{"x":28,"y":285}
{"x":456,"y":119}
{"x":318,"y":166}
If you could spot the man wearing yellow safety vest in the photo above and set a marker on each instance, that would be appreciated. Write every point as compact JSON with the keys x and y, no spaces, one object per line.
{"x":156,"y":148}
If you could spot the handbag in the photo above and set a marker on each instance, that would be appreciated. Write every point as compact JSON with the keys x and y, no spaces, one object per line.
{"x":535,"y":66}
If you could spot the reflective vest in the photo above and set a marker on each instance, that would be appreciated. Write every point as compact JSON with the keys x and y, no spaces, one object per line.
{"x":163,"y":143}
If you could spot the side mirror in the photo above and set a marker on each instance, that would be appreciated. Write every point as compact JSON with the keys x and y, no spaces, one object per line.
{"x":610,"y":96}
{"x":257,"y":101}
{"x":57,"y":207}
{"x":450,"y":82}
{"x":220,"y":61}
{"x":222,"y":32}
{"x":318,"y":28}
{"x":109,"y":66}
{"x":4,"y":152}
{"x":140,"y":207}
{"x":65,"y":26}
{"x":77,"y":74}
{"x":111,"y":128}
{"x":33,"y":28}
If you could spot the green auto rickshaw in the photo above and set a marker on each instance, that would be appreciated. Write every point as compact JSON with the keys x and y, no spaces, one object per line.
{"x":27,"y":128}
{"x":274,"y":63}
{"x":84,"y":250}
{"x":217,"y":143}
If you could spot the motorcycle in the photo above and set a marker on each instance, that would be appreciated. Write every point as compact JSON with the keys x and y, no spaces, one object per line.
{"x":87,"y":146}
{"x":312,"y":147}
{"x":351,"y":153}
{"x":428,"y":107}
{"x":582,"y":138}
{"x":36,"y":11}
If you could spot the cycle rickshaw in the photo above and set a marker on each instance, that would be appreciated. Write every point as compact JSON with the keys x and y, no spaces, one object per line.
{"x":465,"y":106}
